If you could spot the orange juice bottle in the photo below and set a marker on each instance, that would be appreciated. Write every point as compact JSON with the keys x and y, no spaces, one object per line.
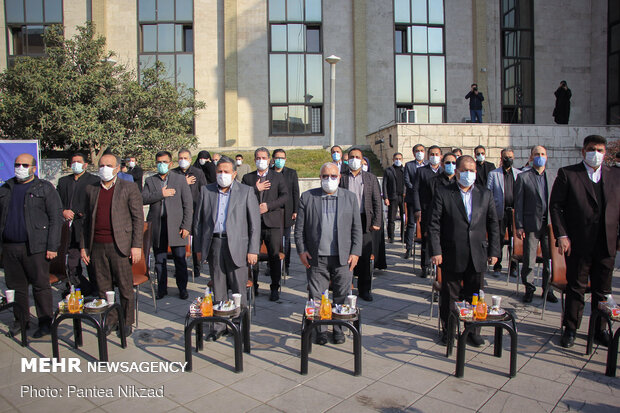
{"x":206,"y":307}
{"x":481,"y":307}
{"x":73,"y":303}
{"x":326,"y":307}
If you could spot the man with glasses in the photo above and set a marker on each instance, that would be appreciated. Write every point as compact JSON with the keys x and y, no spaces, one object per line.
{"x":30,"y":222}
{"x":170,"y":214}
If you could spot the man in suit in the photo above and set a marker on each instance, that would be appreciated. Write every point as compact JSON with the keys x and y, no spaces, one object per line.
{"x":272,"y":193}
{"x":170,"y":214}
{"x":113,"y":233}
{"x":366,"y":188}
{"x":422,"y":199}
{"x":135,"y":170}
{"x":501,"y":182}
{"x":242,"y":168}
{"x":292,"y":204}
{"x":328,"y":236}
{"x":227,"y":228}
{"x":409,"y":173}
{"x":483,"y":167}
{"x":338,"y":158}
{"x":531,"y":220}
{"x":585,"y":209}
{"x":196,"y":180}
{"x":393,"y":192}
{"x":462,"y":216}
{"x":72,"y":191}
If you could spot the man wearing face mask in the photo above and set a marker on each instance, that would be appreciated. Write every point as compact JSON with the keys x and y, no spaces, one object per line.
{"x":462,"y":216}
{"x":227,"y":228}
{"x":422,"y":197}
{"x":409,"y":173}
{"x":242,"y":168}
{"x":135,"y":170}
{"x":501,"y":182}
{"x":272,"y":193}
{"x":216,"y":158}
{"x":30,"y":222}
{"x":196,"y":180}
{"x":393,"y":192}
{"x":328,"y":236}
{"x":338,"y":159}
{"x":531,"y":220}
{"x":448,"y":175}
{"x":483,"y":167}
{"x":72,"y":191}
{"x":112,"y":238}
{"x":366,"y":188}
{"x":170,"y":213}
{"x":585,"y":210}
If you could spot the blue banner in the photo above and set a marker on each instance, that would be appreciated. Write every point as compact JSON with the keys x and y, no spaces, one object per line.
{"x":9,"y":150}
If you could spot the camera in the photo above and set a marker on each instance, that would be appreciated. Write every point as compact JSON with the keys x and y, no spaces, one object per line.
{"x":475,"y":89}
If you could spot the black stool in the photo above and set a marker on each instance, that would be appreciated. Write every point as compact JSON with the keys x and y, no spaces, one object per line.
{"x":612,"y":351}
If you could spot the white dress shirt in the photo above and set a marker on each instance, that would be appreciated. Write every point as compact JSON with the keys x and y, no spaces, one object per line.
{"x":466,"y":197}
{"x":595,"y":175}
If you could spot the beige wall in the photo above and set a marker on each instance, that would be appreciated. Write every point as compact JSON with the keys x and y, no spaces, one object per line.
{"x":74,"y":14}
{"x":121,"y":31}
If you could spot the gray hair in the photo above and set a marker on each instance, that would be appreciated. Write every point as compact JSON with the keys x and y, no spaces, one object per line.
{"x":226,"y":159}
{"x":184,"y":150}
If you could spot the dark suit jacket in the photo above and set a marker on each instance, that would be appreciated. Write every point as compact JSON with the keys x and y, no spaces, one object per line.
{"x":196,"y":186}
{"x":275,"y":197}
{"x":528,"y":201}
{"x":292,"y":204}
{"x":308,"y":227}
{"x":440,"y":180}
{"x":127,"y":216}
{"x":73,"y":196}
{"x":372,"y":199}
{"x":422,"y":192}
{"x":482,"y":172}
{"x":179,"y":208}
{"x":390,"y":191}
{"x":410,"y":171}
{"x":573,"y":205}
{"x":137,"y":174}
{"x":454,"y":237}
{"x":242,"y":222}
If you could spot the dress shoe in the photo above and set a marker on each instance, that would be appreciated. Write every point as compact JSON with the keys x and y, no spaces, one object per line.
{"x":568,"y":338}
{"x":274,"y":296}
{"x":513,"y":274}
{"x":183,"y":295}
{"x":43,"y":330}
{"x":321,"y":339}
{"x":475,"y":340}
{"x":128,"y":331}
{"x":407,"y":254}
{"x":551,"y":297}
{"x":424,"y":272}
{"x":159,"y":296}
{"x":215,"y":335}
{"x":366,"y":296}
{"x":444,"y":337}
{"x":391,"y":240}
{"x":497,"y":274}
{"x":527,"y":297}
{"x":338,"y":338}
{"x":603,"y":338}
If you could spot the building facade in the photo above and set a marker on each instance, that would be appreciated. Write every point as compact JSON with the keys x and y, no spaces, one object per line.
{"x":259,"y":65}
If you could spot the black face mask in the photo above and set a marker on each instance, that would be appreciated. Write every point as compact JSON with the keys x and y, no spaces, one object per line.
{"x":507,"y":162}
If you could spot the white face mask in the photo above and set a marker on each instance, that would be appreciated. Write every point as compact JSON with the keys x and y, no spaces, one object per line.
{"x":365,"y":168}
{"x":224,"y":180}
{"x":262,"y":164}
{"x":22,"y":174}
{"x":106,"y":173}
{"x":398,"y":162}
{"x":617,"y":164}
{"x":355,"y":164}
{"x":239,"y":162}
{"x":467,"y":178}
{"x":131,"y":164}
{"x":594,"y":158}
{"x":419,"y":156}
{"x":329,"y":185}
{"x":480,"y":157}
{"x":184,"y":163}
{"x":435,"y":160}
{"x":202,"y":161}
{"x":77,"y":167}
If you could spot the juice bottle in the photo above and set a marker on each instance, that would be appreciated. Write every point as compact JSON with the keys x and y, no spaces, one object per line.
{"x":481,"y":307}
{"x":474,"y":300}
{"x":326,"y":307}
{"x":206,"y":307}
{"x":79,"y":298}
{"x":72,"y":303}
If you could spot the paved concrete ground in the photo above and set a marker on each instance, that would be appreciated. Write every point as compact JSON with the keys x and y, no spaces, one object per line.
{"x":404,"y":367}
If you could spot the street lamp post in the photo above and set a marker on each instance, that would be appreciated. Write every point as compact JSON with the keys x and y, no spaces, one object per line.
{"x":332,"y":60}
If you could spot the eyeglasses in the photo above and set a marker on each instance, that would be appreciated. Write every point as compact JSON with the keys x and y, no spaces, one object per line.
{"x":329,"y":176}
{"x":25,"y":165}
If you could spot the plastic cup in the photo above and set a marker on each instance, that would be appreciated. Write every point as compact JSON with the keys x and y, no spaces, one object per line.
{"x":237,"y":299}
{"x":496,"y":301}
{"x":352,"y":300}
{"x":109,"y":296}
{"x":10,"y":295}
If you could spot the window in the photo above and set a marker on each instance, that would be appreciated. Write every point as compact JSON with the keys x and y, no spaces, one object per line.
{"x":166,"y":34}
{"x":295,"y":67}
{"x":26,"y":21}
{"x":613,"y":63}
{"x":419,"y":59}
{"x":517,"y":48}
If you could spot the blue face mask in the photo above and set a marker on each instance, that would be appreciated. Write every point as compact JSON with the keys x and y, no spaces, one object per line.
{"x":539,"y":161}
{"x":162,"y":168}
{"x":467,"y":178}
{"x":336,"y":157}
{"x":449,"y":168}
{"x":279,"y":163}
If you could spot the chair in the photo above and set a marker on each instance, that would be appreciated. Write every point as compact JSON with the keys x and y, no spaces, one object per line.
{"x":435,"y":292}
{"x":140,"y":270}
{"x":59,"y":266}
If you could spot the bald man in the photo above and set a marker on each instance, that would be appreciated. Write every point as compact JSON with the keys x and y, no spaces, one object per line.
{"x":30,"y":222}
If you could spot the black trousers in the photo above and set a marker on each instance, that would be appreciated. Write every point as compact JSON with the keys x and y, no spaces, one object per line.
{"x":88,"y":286}
{"x":273,"y":240}
{"x":362,"y":269}
{"x":424,"y":260}
{"x":287,"y":248}
{"x":504,"y":223}
{"x":161,"y":256}
{"x":396,"y":206}
{"x":22,"y":268}
{"x":410,"y":232}
{"x":451,"y":289}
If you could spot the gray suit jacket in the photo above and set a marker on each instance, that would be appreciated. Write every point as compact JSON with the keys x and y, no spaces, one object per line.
{"x":242,"y":221}
{"x":308,"y":225}
{"x":529,"y":211}
{"x":179,"y":208}
{"x":495,"y":182}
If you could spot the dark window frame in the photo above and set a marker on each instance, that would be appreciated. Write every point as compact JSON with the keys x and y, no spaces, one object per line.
{"x":613,"y":106}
